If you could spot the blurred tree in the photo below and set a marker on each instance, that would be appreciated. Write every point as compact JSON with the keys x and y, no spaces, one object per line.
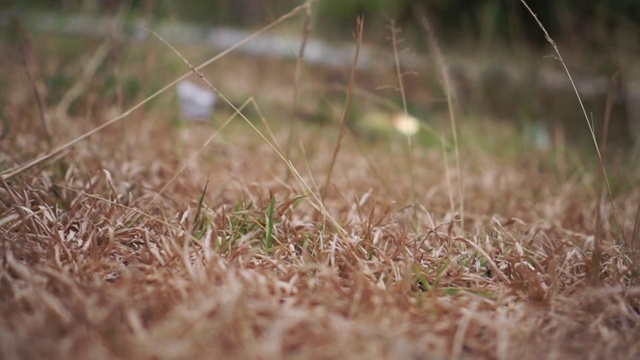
{"x":506,"y":20}
{"x":486,"y":20}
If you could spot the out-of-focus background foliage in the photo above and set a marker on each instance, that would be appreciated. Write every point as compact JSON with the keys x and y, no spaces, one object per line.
{"x":591,"y":22}
{"x":497,"y":52}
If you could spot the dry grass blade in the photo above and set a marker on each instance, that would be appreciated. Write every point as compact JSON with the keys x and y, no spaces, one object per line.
{"x":90,"y":68}
{"x":23,"y":54}
{"x":306,"y":31}
{"x":603,"y":171}
{"x":400,"y":76}
{"x":575,"y":89}
{"x":635,"y":235}
{"x":345,"y":110}
{"x":444,"y":73}
{"x":597,"y":251}
{"x":566,"y":69}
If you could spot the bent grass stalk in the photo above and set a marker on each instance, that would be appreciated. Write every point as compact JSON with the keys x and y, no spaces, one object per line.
{"x":13,"y":172}
{"x":444,"y":73}
{"x":306,"y":31}
{"x":597,"y":244}
{"x":345,"y":110}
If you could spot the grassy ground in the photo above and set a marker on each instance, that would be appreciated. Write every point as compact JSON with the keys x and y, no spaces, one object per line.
{"x":156,"y":238}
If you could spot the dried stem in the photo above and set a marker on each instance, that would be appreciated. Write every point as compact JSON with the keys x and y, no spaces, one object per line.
{"x":345,"y":110}
{"x":444,"y":72}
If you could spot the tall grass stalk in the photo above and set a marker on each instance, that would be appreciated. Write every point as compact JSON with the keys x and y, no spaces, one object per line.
{"x":590,"y":125}
{"x":306,"y":31}
{"x":24,"y":51}
{"x":444,"y":73}
{"x":347,"y":104}
{"x":400,"y":75}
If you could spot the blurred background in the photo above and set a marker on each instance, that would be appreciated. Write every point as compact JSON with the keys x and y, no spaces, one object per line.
{"x":501,"y":65}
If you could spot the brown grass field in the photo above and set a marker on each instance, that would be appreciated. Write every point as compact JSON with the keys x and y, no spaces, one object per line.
{"x":155,"y":238}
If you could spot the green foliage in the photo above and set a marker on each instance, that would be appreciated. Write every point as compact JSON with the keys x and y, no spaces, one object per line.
{"x":482,"y":20}
{"x":58,"y":83}
{"x":349,"y":10}
{"x":270,"y":211}
{"x":200,"y":223}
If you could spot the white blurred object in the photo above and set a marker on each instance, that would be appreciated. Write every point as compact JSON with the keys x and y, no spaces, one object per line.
{"x":537,"y":134}
{"x":406,"y":124}
{"x":196,"y":102}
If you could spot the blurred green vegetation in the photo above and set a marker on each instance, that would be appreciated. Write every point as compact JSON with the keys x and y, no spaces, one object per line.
{"x":589,"y":21}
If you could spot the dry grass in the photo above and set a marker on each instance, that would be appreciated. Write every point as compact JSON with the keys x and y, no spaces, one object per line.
{"x":232,"y":261}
